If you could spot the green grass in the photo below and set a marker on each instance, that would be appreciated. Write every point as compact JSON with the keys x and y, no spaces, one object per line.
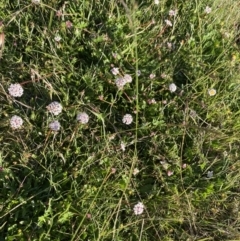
{"x":79,"y":183}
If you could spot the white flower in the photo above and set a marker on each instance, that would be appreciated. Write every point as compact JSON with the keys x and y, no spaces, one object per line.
{"x":55,"y":108}
{"x":152,"y":76}
{"x":156,"y":2}
{"x":169,"y":45}
{"x":16,"y":122}
{"x":139,"y":72}
{"x":128,"y":78}
{"x":57,"y":38}
{"x":209,"y":174}
{"x":123,"y":146}
{"x":36,"y":1}
{"x":120,"y":82}
{"x":15,"y":90}
{"x":168,"y":22}
{"x":212,"y":92}
{"x":135,"y":171}
{"x":55,"y":125}
{"x":115,"y":71}
{"x":172,"y":13}
{"x":127,"y":119}
{"x":83,"y":117}
{"x":172,"y":87}
{"x":138,"y":208}
{"x":208,"y":10}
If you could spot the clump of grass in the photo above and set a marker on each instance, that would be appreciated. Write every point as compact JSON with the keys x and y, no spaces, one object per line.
{"x":129,"y":120}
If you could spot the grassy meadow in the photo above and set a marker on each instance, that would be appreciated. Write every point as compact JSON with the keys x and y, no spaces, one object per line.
{"x":120,"y":120}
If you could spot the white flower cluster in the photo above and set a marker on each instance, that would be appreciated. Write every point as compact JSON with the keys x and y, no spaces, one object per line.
{"x":55,"y":108}
{"x":55,"y":125}
{"x":121,"y":81}
{"x":16,"y":122}
{"x":36,"y":1}
{"x":83,"y":117}
{"x":138,"y":208}
{"x":15,"y":90}
{"x":127,"y":119}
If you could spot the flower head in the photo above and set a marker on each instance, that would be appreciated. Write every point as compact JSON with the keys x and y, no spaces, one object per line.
{"x":69,"y":24}
{"x":16,"y":122}
{"x":156,"y":2}
{"x":169,"y":173}
{"x":15,"y":90}
{"x":135,"y":171}
{"x":128,"y":78}
{"x":83,"y":117}
{"x":115,"y":71}
{"x":138,"y":208}
{"x":152,"y":76}
{"x":55,"y":125}
{"x":55,"y":108}
{"x":212,"y":92}
{"x":172,"y":13}
{"x":127,"y":119}
{"x":208,"y":10}
{"x":123,"y":146}
{"x":172,"y":87}
{"x":168,"y":22}
{"x":57,"y":38}
{"x":120,"y":82}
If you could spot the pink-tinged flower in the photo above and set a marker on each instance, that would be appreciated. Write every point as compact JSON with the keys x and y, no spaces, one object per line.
{"x":128,"y":78}
{"x":172,"y":13}
{"x":151,"y":101}
{"x":113,"y":170}
{"x":55,"y":108}
{"x":184,"y":165}
{"x":55,"y":125}
{"x":16,"y":122}
{"x":163,"y":76}
{"x":169,"y":173}
{"x":69,"y":24}
{"x":89,"y":216}
{"x":152,"y":76}
{"x":120,"y":82}
{"x":15,"y":90}
{"x":138,"y":208}
{"x":168,"y":22}
{"x":208,"y":10}
{"x":83,"y":117}
{"x":127,"y":119}
{"x":115,"y":71}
